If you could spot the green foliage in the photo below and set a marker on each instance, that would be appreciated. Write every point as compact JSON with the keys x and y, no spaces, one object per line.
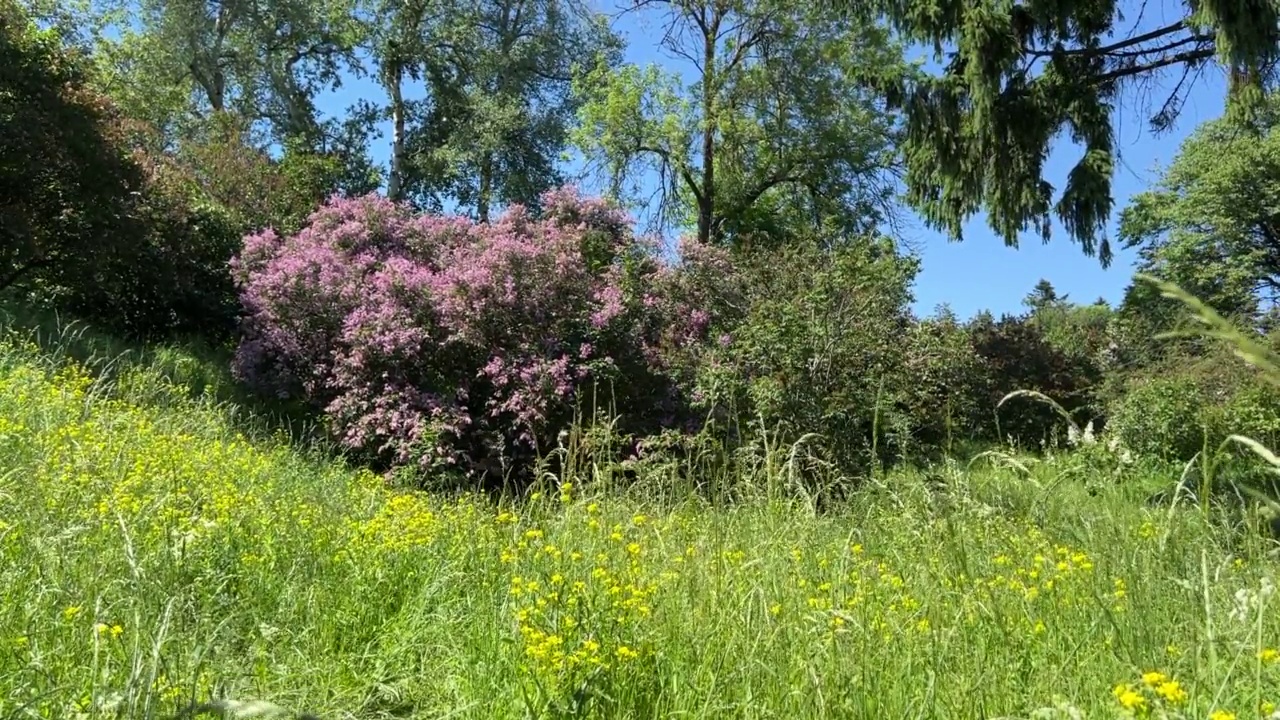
{"x":95,"y":223}
{"x":501,"y":106}
{"x":65,"y":179}
{"x":1253,"y":410}
{"x":777,"y":134}
{"x":1165,"y":417}
{"x":945,"y":391}
{"x":260,"y":60}
{"x":224,"y":166}
{"x":1018,"y":355}
{"x":172,"y":278}
{"x":1018,"y":75}
{"x":1188,"y":405}
{"x":1210,"y":225}
{"x":495,"y":79}
{"x":817,"y":347}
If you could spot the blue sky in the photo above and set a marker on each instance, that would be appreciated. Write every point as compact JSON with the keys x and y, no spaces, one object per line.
{"x":981,"y":273}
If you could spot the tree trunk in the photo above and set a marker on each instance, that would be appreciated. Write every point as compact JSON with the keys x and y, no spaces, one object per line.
{"x":706,"y":204}
{"x":395,"y":183}
{"x":486,"y":187}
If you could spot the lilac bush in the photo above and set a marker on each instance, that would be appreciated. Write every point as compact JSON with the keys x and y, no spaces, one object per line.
{"x":438,"y":341}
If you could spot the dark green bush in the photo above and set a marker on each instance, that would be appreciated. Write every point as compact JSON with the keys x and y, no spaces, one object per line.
{"x":819,"y":350}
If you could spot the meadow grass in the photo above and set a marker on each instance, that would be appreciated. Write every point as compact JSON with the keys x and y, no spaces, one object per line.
{"x":155,"y":556}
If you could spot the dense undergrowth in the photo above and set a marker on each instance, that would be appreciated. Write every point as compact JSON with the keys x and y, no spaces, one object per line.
{"x":158,"y":551}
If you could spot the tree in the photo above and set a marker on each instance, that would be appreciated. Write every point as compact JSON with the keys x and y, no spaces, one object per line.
{"x":819,"y":348}
{"x":501,"y":117}
{"x":945,"y":385}
{"x":1018,"y":355}
{"x":65,"y":178}
{"x":89,"y":223}
{"x":1018,"y":74}
{"x":776,"y":118}
{"x":1212,"y":222}
{"x":496,"y":81}
{"x":263,"y":60}
{"x":1043,"y":296}
{"x":402,"y":40}
{"x":255,"y":189}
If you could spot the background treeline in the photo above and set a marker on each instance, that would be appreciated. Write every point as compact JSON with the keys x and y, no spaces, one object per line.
{"x":164,"y":170}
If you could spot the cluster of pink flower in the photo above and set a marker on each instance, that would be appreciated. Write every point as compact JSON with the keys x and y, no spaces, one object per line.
{"x":433,"y":339}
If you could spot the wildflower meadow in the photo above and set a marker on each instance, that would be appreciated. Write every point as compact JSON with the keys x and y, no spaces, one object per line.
{"x":155,"y":560}
{"x":392,"y":360}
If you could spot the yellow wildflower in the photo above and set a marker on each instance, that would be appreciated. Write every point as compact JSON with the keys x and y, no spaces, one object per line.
{"x":626,"y":653}
{"x":1171,"y":692}
{"x":1128,"y":697}
{"x":1269,"y":655}
{"x":1151,"y":679}
{"x":1222,"y":715}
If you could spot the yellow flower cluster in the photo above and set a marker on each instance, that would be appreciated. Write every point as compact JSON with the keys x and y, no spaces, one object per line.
{"x":581,"y":614}
{"x":1155,"y":691}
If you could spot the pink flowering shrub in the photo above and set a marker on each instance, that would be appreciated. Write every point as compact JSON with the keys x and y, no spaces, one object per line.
{"x":437,"y":341}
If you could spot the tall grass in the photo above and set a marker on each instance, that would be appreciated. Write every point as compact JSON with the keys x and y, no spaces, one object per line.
{"x":156,"y":559}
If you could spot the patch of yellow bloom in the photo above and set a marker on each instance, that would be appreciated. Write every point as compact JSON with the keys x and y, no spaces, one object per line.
{"x":1129,"y":697}
{"x":103,"y":629}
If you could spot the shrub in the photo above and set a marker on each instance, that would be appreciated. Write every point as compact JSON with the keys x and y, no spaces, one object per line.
{"x":225,"y":165}
{"x":945,"y":393}
{"x":818,"y":348}
{"x":172,"y":276}
{"x":437,"y":342}
{"x":1172,"y":409}
{"x":1253,"y":410}
{"x":133,"y":241}
{"x":1018,"y":356}
{"x":65,"y":179}
{"x":1163,"y":417}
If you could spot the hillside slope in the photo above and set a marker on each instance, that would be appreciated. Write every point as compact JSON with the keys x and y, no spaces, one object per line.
{"x":153,"y":555}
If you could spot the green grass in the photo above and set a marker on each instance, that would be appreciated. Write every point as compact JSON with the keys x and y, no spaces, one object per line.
{"x":157,"y":553}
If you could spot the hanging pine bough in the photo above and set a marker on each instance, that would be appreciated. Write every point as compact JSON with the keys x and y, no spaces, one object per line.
{"x":1018,"y":74}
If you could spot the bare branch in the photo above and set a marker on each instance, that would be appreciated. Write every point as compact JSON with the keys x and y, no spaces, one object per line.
{"x":1191,"y":57}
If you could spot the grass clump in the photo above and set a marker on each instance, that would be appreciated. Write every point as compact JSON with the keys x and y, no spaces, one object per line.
{"x":155,"y":561}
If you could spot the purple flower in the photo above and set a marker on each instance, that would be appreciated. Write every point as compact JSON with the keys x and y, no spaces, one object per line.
{"x":430,"y":338}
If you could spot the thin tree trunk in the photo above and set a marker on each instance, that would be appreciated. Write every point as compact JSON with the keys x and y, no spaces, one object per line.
{"x":706,"y":204}
{"x":395,"y":183}
{"x":486,"y":187}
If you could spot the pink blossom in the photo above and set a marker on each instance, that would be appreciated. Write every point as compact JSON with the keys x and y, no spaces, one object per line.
{"x":427,"y":338}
